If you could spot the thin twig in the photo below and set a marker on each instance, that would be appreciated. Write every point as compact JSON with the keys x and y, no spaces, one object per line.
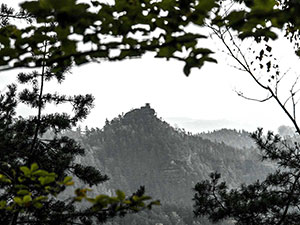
{"x":40,"y":103}
{"x":286,"y":101}
{"x":293,"y":97}
{"x":253,"y":99}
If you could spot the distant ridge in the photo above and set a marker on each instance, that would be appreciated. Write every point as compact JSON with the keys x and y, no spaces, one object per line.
{"x":238,"y":139}
{"x":201,"y":125}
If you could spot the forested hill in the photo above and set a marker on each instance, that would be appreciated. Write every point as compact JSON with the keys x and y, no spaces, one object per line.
{"x":137,"y":149}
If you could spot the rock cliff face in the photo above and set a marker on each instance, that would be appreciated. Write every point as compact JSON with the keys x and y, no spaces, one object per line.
{"x":140,"y":149}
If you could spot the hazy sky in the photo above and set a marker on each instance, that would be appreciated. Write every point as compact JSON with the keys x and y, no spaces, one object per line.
{"x":207,"y":94}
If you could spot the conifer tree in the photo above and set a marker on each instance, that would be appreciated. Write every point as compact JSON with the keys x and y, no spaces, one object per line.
{"x":35,"y":169}
{"x":274,"y":200}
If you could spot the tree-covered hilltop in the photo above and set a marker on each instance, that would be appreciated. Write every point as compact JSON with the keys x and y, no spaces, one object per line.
{"x":138,"y":148}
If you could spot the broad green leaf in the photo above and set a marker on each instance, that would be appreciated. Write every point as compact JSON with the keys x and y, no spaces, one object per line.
{"x":4,"y":179}
{"x":41,"y":198}
{"x":203,"y":51}
{"x":25,"y":170}
{"x":37,"y":205}
{"x":187,"y":69}
{"x":34,"y":167}
{"x":67,"y":179}
{"x":40,"y":173}
{"x":23,"y":192}
{"x":46,"y":180}
{"x":27,"y":198}
{"x":18,"y":200}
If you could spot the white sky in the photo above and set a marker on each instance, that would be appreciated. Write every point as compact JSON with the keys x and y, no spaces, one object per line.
{"x":207,"y":94}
